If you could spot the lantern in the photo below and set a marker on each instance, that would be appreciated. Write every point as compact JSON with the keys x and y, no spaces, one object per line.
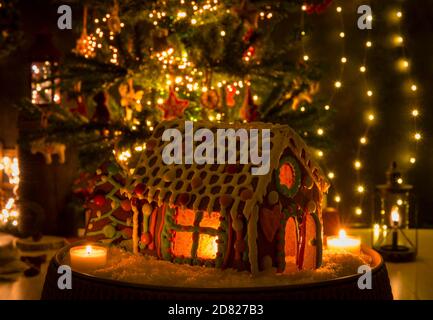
{"x":44,"y":63}
{"x":395,"y":233}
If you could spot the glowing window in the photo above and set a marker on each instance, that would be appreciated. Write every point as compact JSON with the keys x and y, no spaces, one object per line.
{"x":190,"y":225}
{"x":207,"y":246}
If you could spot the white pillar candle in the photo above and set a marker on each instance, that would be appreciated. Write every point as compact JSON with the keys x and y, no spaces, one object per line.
{"x":344,"y":243}
{"x":88,"y":257}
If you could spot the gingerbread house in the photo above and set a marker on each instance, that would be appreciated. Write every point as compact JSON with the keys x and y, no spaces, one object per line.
{"x":222,"y":215}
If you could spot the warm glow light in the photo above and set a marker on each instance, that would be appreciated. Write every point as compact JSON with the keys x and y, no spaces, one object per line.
{"x":337,"y":84}
{"x":306,"y":58}
{"x":343,"y":60}
{"x":399,"y":180}
{"x":369,"y":44}
{"x":344,"y":243}
{"x":402,"y":64}
{"x":331,"y":175}
{"x":412,"y":160}
{"x":320,"y":131}
{"x":398,"y":40}
{"x":358,"y":211}
{"x":369,"y":93}
{"x":337,"y":199}
{"x":342,"y":35}
{"x":363,"y":140}
{"x":362,"y":69}
{"x":395,"y":216}
{"x":360,"y":189}
{"x":371,"y":117}
{"x":417,"y":136}
{"x":413,"y":87}
{"x":357,"y":164}
{"x":339,"y":9}
{"x":415,"y":113}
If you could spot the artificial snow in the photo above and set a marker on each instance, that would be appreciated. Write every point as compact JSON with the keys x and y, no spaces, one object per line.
{"x":148,"y":270}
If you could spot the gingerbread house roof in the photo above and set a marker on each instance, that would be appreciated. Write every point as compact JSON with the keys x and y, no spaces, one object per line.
{"x":208,"y":187}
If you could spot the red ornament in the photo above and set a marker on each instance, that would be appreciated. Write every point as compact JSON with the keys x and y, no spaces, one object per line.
{"x":127,"y":232}
{"x":173,"y":107}
{"x":99,"y":200}
{"x":249,"y":110}
{"x":146,"y":238}
{"x":317,"y":8}
{"x":247,"y":36}
{"x":139,"y":189}
{"x":249,"y":54}
{"x":126,"y":205}
{"x":230,"y":96}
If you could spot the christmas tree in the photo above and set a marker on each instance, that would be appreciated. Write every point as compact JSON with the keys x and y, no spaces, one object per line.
{"x":137,"y":63}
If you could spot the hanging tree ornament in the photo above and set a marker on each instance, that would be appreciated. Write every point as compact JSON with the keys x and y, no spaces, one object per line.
{"x":84,"y":43}
{"x":102,"y":113}
{"x":81,"y":108}
{"x":210,"y":99}
{"x":317,"y":7}
{"x":248,"y":14}
{"x":249,"y":111}
{"x":129,"y":99}
{"x":173,"y":107}
{"x":299,"y":94}
{"x":114,"y":23}
{"x":230,"y":96}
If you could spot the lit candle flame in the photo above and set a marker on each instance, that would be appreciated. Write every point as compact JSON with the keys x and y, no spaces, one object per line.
{"x":342,"y":234}
{"x":88,"y":250}
{"x":395,"y":216}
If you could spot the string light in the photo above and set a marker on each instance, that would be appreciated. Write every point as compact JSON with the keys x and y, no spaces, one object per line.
{"x":8,"y":209}
{"x":337,"y":84}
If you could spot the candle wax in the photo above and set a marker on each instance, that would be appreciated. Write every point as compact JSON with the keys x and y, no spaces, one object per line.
{"x":344,"y":244}
{"x":87,"y":258}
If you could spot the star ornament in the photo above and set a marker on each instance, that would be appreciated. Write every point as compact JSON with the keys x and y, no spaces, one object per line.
{"x":173,"y":107}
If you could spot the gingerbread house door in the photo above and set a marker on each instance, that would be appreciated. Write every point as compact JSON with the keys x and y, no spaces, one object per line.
{"x":291,"y":241}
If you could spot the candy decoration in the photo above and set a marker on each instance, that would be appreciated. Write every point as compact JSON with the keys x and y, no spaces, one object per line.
{"x":99,"y":200}
{"x":173,"y":107}
{"x":270,"y":221}
{"x":288,"y":177}
{"x":139,"y":189}
{"x":109,"y":231}
{"x":126,"y":205}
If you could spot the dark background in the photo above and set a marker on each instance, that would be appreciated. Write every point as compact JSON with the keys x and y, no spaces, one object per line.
{"x":389,"y":138}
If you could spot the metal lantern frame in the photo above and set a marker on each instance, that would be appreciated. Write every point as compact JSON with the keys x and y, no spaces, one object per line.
{"x":395,"y":219}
